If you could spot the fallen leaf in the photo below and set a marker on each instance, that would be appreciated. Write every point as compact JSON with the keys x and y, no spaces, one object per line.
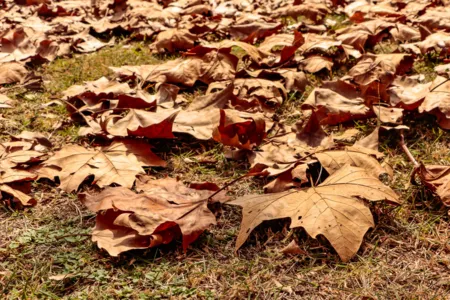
{"x":12,"y":73}
{"x":293,"y":248}
{"x":437,"y":179}
{"x":333,"y":209}
{"x":118,"y":163}
{"x":336,"y":102}
{"x":166,"y":209}
{"x":242,"y":133}
{"x":141,"y":123}
{"x":334,"y":160}
{"x":437,"y":101}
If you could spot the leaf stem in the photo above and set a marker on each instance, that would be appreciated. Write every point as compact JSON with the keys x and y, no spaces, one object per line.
{"x":407,"y":152}
{"x":227,"y":185}
{"x":443,"y":82}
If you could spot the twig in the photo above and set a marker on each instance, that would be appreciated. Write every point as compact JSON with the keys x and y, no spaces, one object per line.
{"x":443,"y":82}
{"x":228,"y":184}
{"x":407,"y":152}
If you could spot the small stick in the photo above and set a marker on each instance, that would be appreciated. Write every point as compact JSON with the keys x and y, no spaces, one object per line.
{"x":227,"y":185}
{"x":407,"y":152}
{"x":233,"y":182}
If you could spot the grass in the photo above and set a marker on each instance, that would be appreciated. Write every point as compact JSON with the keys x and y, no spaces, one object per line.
{"x":406,"y":256}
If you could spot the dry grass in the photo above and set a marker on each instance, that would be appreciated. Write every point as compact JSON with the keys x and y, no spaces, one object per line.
{"x":406,"y":256}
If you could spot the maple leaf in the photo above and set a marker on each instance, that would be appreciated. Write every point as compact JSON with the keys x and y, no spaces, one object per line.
{"x":357,"y":156}
{"x":141,"y":123}
{"x":437,"y":101}
{"x":166,"y":210}
{"x":437,"y":179}
{"x":316,"y":63}
{"x":235,"y":131}
{"x":333,"y":209}
{"x":13,"y":154}
{"x":13,"y":183}
{"x":15,"y":158}
{"x":118,"y":163}
{"x":267,"y":93}
{"x":336,"y":102}
{"x":379,"y":69}
{"x":407,"y":92}
{"x":364,"y":35}
{"x":251,"y":31}
{"x":172,"y":40}
{"x":214,"y":65}
{"x":12,"y":72}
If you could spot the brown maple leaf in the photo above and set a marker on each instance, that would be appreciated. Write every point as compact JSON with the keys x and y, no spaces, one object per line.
{"x":118,"y":163}
{"x":214,"y":65}
{"x":336,"y":102}
{"x":252,"y":30}
{"x":15,"y":159}
{"x":141,"y":123}
{"x":242,"y":133}
{"x":172,"y":40}
{"x":166,"y":210}
{"x":437,"y":179}
{"x":12,"y":73}
{"x":407,"y":92}
{"x":333,"y":209}
{"x":437,"y":101}
{"x":6,"y":102}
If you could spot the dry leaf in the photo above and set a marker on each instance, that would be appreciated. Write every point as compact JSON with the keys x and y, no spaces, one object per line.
{"x":242,"y":133}
{"x":166,"y":210}
{"x":437,"y":179}
{"x":118,"y":163}
{"x":333,"y":209}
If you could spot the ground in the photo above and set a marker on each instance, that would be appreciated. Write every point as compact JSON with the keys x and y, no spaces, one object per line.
{"x":406,"y":255}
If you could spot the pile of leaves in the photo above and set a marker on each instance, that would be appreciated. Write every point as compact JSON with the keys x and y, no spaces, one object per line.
{"x":252,"y":58}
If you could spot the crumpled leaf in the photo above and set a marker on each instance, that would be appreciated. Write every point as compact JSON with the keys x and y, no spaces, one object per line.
{"x":437,"y":179}
{"x":12,"y":72}
{"x":437,"y":101}
{"x":380,"y":68}
{"x":336,"y":102}
{"x":333,"y":209}
{"x":357,"y":156}
{"x":6,"y":102}
{"x":166,"y":210}
{"x":253,"y":30}
{"x":173,"y":40}
{"x":407,"y":93}
{"x":15,"y":159}
{"x":242,"y":133}
{"x":210,"y":67}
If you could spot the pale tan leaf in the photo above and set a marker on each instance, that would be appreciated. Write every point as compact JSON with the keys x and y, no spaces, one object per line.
{"x":332,"y":209}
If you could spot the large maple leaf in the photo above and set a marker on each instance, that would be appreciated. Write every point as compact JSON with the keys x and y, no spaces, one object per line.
{"x":333,"y":209}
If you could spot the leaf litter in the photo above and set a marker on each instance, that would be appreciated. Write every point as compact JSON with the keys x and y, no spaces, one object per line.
{"x":249,"y":62}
